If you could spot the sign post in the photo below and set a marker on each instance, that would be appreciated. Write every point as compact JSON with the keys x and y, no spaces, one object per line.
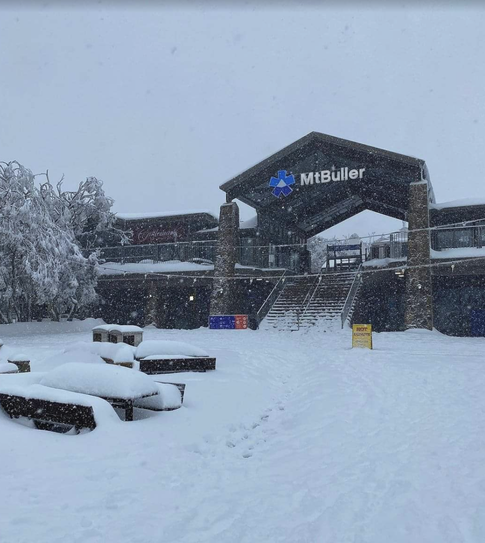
{"x":362,"y":336}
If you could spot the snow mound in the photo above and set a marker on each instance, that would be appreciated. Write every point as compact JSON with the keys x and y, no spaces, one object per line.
{"x":100,"y":380}
{"x":164,"y":347}
{"x":19,"y":357}
{"x":8,"y":368}
{"x":169,"y":397}
{"x":21,"y":380}
{"x":118,"y":352}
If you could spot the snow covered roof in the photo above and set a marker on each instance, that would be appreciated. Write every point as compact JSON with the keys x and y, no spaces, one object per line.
{"x":105,"y":380}
{"x":250,"y":223}
{"x":459,"y":252}
{"x":170,"y":266}
{"x":382,"y":262}
{"x":161,"y":214}
{"x":153,"y":348}
{"x":463,"y":202}
{"x":123,"y":328}
{"x":311,"y":210}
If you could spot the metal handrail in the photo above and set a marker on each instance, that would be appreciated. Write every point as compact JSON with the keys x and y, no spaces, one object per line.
{"x":317,"y":284}
{"x":351,"y":296}
{"x":271,"y":298}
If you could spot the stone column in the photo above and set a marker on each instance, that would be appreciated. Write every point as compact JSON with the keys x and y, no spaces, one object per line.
{"x":419,"y":296}
{"x":152,"y":304}
{"x":224,"y":290}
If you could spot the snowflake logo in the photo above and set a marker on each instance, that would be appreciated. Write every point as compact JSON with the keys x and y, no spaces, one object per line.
{"x":281,"y":184}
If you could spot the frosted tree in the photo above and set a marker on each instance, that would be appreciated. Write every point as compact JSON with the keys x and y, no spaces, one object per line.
{"x":41,"y":262}
{"x":86,"y":211}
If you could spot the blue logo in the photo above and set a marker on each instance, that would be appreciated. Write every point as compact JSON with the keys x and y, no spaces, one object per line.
{"x":282,"y":184}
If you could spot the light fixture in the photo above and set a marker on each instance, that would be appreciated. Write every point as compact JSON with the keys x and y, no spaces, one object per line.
{"x":191,"y":298}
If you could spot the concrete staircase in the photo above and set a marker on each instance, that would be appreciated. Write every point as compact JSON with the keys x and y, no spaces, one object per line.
{"x":315,"y":299}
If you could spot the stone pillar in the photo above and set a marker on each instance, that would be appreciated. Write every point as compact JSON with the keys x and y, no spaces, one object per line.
{"x":152,"y":304}
{"x":224,"y":290}
{"x":419,"y":296}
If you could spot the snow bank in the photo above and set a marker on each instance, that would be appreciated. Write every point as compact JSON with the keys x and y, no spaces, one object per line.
{"x":164,"y":347}
{"x":168,"y":397}
{"x":8,"y":368}
{"x":100,"y":380}
{"x":461,"y":252}
{"x":73,"y":354}
{"x":161,"y":214}
{"x":22,"y":379}
{"x":47,"y":327}
{"x":118,"y":352}
{"x":382,"y":262}
{"x":463,"y":202}
{"x":21,"y":357}
{"x":114,"y":268}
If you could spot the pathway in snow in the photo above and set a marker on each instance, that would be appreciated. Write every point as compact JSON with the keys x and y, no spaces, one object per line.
{"x":295,"y":438}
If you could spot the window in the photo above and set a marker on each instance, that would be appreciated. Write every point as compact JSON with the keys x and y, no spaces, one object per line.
{"x":129,"y":340}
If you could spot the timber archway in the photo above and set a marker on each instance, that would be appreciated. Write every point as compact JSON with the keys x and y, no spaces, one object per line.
{"x":319,"y":181}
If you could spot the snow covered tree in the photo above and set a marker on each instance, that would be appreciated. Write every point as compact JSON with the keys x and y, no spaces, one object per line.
{"x":41,"y":231}
{"x":86,"y":211}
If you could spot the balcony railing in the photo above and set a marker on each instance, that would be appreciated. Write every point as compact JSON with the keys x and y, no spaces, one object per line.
{"x":161,"y":252}
{"x":258,"y":257}
{"x":441,"y":239}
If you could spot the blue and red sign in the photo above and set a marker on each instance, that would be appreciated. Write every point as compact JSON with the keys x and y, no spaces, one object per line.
{"x":228,"y":322}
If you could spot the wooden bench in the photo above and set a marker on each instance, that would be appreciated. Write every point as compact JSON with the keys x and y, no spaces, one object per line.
{"x":49,"y":415}
{"x":155,"y":366}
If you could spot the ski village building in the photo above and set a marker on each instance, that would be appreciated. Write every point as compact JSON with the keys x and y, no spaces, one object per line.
{"x":181,"y":268}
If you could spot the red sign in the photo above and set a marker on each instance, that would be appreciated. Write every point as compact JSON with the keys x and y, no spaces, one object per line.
{"x":157,"y":234}
{"x":241,"y":322}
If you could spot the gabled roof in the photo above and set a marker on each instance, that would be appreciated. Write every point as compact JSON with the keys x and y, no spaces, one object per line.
{"x":384,"y":188}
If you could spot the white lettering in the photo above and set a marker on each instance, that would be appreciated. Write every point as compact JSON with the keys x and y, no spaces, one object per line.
{"x":336,"y":176}
{"x":306,"y":179}
{"x":353,"y":174}
{"x":326,"y":176}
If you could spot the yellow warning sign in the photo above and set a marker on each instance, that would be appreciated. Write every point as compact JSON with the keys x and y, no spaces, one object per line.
{"x":362,"y":336}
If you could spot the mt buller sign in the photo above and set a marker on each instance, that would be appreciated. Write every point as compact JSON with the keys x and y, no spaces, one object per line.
{"x":325,"y":176}
{"x":282,"y":184}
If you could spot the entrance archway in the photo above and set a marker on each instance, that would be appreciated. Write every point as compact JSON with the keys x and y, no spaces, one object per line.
{"x":320,"y":181}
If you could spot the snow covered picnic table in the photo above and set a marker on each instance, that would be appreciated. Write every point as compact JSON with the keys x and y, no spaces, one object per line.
{"x":121,"y":387}
{"x":164,"y":356}
{"x":76,"y":395}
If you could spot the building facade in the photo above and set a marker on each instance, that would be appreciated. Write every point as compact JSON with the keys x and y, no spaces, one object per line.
{"x":429,"y":274}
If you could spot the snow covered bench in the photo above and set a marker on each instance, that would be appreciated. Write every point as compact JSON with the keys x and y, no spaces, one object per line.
{"x":21,"y":361}
{"x":119,"y":386}
{"x":161,"y":356}
{"x":50,"y":409}
{"x":112,"y":353}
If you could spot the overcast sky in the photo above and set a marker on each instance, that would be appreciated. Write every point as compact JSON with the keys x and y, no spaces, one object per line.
{"x":164,"y":104}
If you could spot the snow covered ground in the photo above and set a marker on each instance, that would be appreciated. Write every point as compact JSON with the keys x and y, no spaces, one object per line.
{"x":294,"y":438}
